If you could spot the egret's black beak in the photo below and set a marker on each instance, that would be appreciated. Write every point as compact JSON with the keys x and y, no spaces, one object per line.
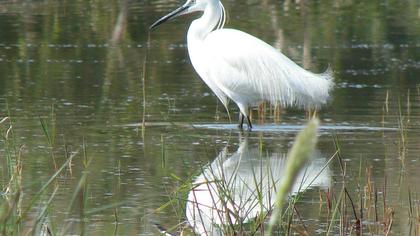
{"x":171,"y":15}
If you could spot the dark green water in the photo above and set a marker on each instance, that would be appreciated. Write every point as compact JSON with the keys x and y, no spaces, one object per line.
{"x":82,"y":62}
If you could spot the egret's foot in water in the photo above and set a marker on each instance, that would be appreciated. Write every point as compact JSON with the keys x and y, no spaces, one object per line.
{"x":241,"y":122}
{"x":241,"y":127}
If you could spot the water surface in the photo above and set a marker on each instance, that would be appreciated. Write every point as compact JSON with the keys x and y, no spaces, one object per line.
{"x":77,"y":65}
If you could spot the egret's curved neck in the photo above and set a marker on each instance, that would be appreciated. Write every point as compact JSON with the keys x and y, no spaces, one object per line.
{"x":211,"y":18}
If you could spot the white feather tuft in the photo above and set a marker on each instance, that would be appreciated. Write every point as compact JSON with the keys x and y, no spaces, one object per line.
{"x":248,"y":71}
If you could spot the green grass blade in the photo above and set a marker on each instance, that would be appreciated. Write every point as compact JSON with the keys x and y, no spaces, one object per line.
{"x":297,"y":158}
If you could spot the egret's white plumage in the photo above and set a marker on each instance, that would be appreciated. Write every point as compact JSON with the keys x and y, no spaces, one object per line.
{"x":238,"y":66}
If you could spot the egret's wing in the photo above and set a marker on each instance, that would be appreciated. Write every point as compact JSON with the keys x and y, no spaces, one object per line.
{"x":247,"y":70}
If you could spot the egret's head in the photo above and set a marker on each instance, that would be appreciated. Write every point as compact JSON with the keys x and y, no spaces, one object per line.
{"x":189,"y":7}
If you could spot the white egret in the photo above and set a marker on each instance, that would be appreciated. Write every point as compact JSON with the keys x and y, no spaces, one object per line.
{"x":238,"y":66}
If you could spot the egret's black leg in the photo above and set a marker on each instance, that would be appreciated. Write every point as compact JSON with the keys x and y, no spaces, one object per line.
{"x":249,"y":123}
{"x":241,"y":121}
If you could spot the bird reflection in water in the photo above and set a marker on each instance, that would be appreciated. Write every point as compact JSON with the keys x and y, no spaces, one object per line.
{"x":236,"y":188}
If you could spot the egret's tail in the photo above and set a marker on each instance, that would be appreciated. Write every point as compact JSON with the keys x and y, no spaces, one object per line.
{"x":323,"y":83}
{"x":310,"y":90}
